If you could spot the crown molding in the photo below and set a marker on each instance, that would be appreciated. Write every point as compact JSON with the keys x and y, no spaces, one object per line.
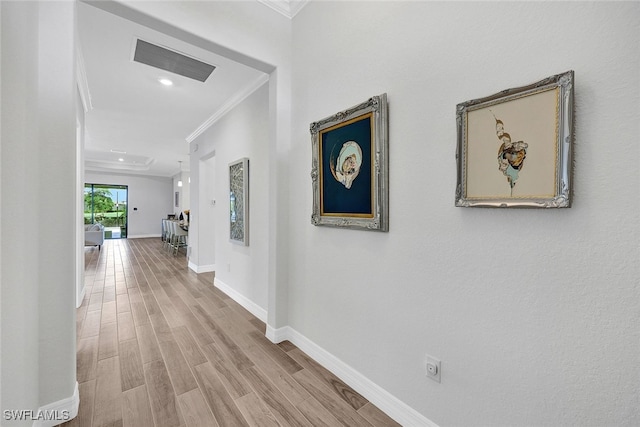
{"x":288,"y":8}
{"x":233,"y":102}
{"x":296,"y":6}
{"x":104,"y":165}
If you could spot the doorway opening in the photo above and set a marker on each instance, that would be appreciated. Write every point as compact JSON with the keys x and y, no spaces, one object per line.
{"x":107,"y":204}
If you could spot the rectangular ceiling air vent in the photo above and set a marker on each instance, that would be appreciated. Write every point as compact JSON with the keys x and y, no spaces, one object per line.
{"x":168,"y":60}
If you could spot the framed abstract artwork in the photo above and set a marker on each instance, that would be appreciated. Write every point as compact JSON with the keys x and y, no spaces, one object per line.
{"x":514,"y":148}
{"x":349,"y":169}
{"x":239,"y":202}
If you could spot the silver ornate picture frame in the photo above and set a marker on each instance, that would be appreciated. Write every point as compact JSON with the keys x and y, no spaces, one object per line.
{"x":514,"y":148}
{"x":239,"y":202}
{"x":349,"y":169}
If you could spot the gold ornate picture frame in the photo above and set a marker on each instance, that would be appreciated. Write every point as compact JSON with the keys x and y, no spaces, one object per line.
{"x":514,"y":147}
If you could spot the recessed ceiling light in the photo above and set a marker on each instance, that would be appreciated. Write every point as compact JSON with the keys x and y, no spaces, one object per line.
{"x":121,"y":159}
{"x":166,"y":82}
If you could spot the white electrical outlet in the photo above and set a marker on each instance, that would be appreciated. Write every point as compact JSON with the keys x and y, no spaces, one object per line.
{"x":433,"y":368}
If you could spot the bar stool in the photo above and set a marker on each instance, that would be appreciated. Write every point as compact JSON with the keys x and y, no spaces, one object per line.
{"x":180,"y":238}
{"x":171,"y":234}
{"x":165,"y":233}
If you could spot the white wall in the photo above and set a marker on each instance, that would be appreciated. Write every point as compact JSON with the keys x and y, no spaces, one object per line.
{"x":533,"y":313}
{"x":184,"y":192}
{"x":152,"y":196}
{"x":240,"y":133}
{"x":1,"y":137}
{"x":79,"y":196}
{"x":204,"y":258}
{"x":19,"y":361}
{"x":38,"y":191}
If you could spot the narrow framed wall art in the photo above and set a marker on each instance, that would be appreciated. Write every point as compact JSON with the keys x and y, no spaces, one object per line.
{"x":239,"y":202}
{"x":349,"y":170}
{"x":514,"y":148}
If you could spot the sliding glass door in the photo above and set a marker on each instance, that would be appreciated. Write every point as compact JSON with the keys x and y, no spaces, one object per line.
{"x":107,"y":204}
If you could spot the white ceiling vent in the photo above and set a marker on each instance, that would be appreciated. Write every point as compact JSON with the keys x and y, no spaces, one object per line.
{"x":168,"y":60}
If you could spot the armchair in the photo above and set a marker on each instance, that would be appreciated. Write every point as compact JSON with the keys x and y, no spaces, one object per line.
{"x":94,"y":235}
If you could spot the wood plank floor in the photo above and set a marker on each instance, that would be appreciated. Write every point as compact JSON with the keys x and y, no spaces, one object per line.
{"x":159,"y":346}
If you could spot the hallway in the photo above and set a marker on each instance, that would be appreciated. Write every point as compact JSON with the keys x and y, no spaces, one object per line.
{"x":158,"y":345}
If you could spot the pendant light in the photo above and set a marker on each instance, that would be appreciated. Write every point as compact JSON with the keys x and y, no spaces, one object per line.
{"x":180,"y":177}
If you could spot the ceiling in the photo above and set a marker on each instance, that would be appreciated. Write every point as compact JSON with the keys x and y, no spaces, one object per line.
{"x":129,"y":114}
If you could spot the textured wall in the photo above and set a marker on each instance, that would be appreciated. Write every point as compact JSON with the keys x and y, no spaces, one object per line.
{"x":534,"y":314}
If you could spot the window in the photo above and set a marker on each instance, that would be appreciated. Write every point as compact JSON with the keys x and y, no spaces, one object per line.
{"x":107,"y":204}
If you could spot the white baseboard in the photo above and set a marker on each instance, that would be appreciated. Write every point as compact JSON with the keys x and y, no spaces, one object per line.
{"x":252,"y":307}
{"x":80,"y":298}
{"x":193,"y":266}
{"x":62,"y":410}
{"x":389,"y":404}
{"x":278,"y":335}
{"x":143,"y":236}
{"x":202,"y":268}
{"x":375,"y":394}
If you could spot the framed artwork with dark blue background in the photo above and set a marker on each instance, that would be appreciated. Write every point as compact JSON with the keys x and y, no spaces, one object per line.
{"x":350,"y":167}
